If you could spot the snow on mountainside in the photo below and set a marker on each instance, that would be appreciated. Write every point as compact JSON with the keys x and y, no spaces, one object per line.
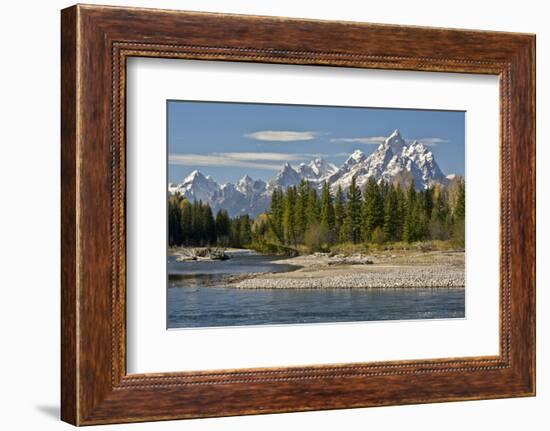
{"x":317,"y":170}
{"x":196,"y":187}
{"x":286,"y":177}
{"x":245,"y":197}
{"x":394,"y":161}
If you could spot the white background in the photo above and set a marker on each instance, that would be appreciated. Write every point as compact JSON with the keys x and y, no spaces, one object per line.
{"x":29,"y":225}
{"x":151,"y":348}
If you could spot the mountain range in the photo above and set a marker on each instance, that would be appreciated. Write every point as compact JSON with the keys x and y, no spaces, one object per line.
{"x":394,"y":161}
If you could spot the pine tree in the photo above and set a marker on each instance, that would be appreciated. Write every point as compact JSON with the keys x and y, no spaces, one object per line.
{"x":428,"y":202}
{"x":197,"y":226}
{"x":209,"y":225}
{"x":185,"y":221}
{"x":460,"y":207}
{"x":373,"y":208}
{"x":302,"y":206}
{"x":289,"y":217}
{"x":327,"y":216}
{"x":352,"y":221}
{"x":245,"y":230}
{"x":441,"y":207}
{"x":416,"y":226}
{"x":276,"y":214}
{"x":384,"y":188}
{"x":411,"y":222}
{"x":422,"y":227}
{"x":260,"y":229}
{"x":174,"y":226}
{"x":459,"y":215}
{"x":401,"y":211}
{"x":410,"y":219}
{"x":391,"y":215}
{"x":235,"y":233}
{"x":411,"y":195}
{"x":339,"y":213}
{"x":440,"y":220}
{"x":222,"y":227}
{"x":312,"y":208}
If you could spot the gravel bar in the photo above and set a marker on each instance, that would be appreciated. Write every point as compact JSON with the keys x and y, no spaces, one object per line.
{"x":432,"y":277}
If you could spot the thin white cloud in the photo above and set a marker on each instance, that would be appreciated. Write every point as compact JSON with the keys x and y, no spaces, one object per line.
{"x":370,"y":140}
{"x":261,"y":156}
{"x":281,"y":135}
{"x":432,"y":141}
{"x":376,"y":140}
{"x":265,"y":161}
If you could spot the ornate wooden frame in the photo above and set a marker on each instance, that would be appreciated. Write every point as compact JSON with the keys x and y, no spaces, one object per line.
{"x":95,"y":43}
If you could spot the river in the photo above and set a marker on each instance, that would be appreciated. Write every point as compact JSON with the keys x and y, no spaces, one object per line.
{"x":198,"y":297}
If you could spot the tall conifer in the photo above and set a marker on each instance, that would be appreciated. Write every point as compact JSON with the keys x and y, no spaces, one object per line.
{"x":373,"y":208}
{"x":352,"y":221}
{"x":391,"y":215}
{"x":289,"y":218}
{"x":339,"y":213}
{"x":327,"y":216}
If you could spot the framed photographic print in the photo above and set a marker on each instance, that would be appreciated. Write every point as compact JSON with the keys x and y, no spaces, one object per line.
{"x":268,"y":215}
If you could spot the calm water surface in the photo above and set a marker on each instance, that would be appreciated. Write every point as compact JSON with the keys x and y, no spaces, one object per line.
{"x":197,"y":297}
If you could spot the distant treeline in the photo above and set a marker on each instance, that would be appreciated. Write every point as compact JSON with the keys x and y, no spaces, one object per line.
{"x":193,"y":224}
{"x":300,"y":216}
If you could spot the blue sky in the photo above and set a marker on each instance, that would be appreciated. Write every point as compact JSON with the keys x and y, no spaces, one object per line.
{"x":229,"y":140}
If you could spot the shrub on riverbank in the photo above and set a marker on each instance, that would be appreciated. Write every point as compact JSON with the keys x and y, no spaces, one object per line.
{"x":349,"y":248}
{"x":264,"y":247}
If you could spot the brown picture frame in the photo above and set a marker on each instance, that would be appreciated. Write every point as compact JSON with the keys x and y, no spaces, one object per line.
{"x":95,"y":43}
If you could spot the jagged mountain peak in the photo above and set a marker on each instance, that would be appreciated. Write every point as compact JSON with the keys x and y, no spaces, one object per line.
{"x":246,"y":180}
{"x":286,"y":169}
{"x":395,"y":143}
{"x":286,"y":177}
{"x":196,"y":186}
{"x":321,"y":167}
{"x":418,"y":146}
{"x":317,"y":169}
{"x":192,"y":176}
{"x":247,"y":185}
{"x":197,"y":177}
{"x":356,"y":157}
{"x":318,"y":161}
{"x":395,"y":136}
{"x":394,"y":161}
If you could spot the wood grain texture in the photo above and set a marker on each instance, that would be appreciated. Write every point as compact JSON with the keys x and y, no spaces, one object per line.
{"x":96,"y":41}
{"x":69,"y":367}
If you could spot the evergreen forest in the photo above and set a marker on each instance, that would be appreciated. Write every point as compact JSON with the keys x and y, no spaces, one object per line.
{"x":303,"y":219}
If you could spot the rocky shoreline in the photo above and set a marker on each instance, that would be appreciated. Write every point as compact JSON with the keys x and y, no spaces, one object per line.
{"x":403,"y":278}
{"x":393,"y":269}
{"x":385,"y":271}
{"x":185,"y":254}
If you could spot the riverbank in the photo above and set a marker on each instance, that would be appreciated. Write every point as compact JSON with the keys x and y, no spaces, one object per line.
{"x":185,"y":254}
{"x":391,"y":269}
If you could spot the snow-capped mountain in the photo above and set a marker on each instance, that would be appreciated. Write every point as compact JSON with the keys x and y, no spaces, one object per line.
{"x":196,"y":187}
{"x":394,"y":161}
{"x":286,"y":177}
{"x":248,"y":196}
{"x":317,"y":170}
